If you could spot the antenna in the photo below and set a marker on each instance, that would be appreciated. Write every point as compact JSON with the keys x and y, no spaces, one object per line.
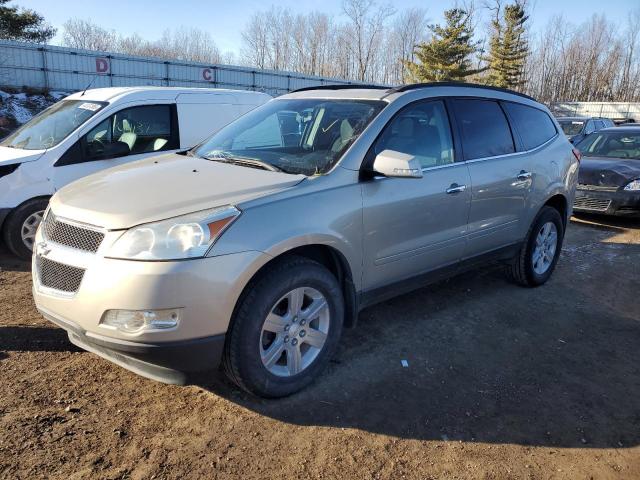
{"x":87,"y":87}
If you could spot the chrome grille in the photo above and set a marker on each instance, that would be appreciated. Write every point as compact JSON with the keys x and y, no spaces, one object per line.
{"x":593,"y":204}
{"x":69,"y":235}
{"x":58,"y":276}
{"x":596,"y":188}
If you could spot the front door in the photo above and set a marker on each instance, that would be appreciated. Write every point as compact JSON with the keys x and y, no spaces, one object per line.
{"x":413,"y":226}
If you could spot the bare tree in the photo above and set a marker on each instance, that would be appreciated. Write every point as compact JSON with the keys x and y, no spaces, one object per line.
{"x":79,"y":33}
{"x":366,"y":24}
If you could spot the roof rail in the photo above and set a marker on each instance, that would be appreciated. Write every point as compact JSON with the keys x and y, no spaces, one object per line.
{"x":339,"y":86}
{"x":415,"y":86}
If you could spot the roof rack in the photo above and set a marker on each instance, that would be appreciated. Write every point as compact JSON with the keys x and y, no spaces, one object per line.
{"x":340,"y":86}
{"x":415,"y":86}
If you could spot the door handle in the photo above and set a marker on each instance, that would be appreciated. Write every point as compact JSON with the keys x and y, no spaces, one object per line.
{"x":455,"y":188}
{"x":524,"y":175}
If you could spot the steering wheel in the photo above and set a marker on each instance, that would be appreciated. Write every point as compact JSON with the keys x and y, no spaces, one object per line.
{"x":97,"y":146}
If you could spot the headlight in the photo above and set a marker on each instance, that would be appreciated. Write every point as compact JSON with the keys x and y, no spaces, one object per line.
{"x":188,"y":236}
{"x":633,"y":185}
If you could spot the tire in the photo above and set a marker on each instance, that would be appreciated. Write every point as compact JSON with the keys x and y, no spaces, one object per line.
{"x":15,"y":222}
{"x":246,"y":358}
{"x":522,"y":270}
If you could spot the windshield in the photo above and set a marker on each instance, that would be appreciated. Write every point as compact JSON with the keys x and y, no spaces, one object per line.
{"x":52,"y":125}
{"x":305,"y":136}
{"x":571,"y":127}
{"x":612,"y":145}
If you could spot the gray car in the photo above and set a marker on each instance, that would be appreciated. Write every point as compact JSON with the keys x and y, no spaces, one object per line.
{"x":255,"y":248}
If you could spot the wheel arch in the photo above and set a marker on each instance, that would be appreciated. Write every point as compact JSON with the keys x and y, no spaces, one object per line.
{"x":560,"y":203}
{"x":328,"y":256}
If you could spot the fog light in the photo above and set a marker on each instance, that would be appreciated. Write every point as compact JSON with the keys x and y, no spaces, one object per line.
{"x":134,"y":321}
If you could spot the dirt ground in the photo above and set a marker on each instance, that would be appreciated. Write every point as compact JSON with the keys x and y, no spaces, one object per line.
{"x":502,"y":382}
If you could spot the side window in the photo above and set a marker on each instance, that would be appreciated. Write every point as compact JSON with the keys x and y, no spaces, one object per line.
{"x":590,"y":128}
{"x":422,"y":130}
{"x":131,"y":131}
{"x":534,"y":126}
{"x":485,"y":130}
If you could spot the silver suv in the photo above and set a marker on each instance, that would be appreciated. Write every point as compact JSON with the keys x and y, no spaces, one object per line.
{"x":256,"y":247}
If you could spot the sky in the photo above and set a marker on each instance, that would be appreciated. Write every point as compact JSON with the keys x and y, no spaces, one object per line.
{"x":225,"y":19}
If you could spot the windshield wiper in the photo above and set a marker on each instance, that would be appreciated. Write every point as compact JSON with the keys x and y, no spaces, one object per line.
{"x":243,"y":161}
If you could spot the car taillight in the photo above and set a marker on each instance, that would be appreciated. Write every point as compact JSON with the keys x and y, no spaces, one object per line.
{"x":577,"y":154}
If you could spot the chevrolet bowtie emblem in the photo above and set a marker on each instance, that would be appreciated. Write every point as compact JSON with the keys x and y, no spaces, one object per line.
{"x":43,"y":249}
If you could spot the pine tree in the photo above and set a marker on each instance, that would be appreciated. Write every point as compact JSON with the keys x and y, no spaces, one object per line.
{"x":23,"y":24}
{"x":447,"y":56}
{"x":508,"y":47}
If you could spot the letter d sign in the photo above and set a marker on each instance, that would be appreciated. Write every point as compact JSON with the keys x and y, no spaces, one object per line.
{"x":102,"y":65}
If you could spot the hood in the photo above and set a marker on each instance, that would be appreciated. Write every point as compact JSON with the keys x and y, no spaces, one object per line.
{"x":608,"y":172}
{"x":9,"y":156}
{"x":162,"y":187}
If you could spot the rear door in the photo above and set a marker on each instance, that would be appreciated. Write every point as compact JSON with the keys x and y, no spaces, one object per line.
{"x":413,"y":226}
{"x":500,"y":177}
{"x":128,"y":135}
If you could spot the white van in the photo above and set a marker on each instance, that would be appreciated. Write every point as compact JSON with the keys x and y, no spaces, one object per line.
{"x":97,"y":129}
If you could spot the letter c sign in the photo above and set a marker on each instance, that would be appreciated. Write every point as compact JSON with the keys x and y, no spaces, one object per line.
{"x":102,"y":65}
{"x":206,"y":74}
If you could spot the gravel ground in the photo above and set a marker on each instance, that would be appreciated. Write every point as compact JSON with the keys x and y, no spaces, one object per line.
{"x":501,"y":382}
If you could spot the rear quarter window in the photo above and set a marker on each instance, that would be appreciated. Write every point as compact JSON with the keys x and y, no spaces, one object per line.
{"x":484,"y":127}
{"x":534,"y":126}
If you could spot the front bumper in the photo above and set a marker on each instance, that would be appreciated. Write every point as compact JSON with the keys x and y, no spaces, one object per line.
{"x":616,"y":202}
{"x":168,"y":362}
{"x":205,"y":290}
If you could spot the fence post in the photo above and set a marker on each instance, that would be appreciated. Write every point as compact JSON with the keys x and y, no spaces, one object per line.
{"x":109,"y":57}
{"x":166,"y":73}
{"x":44,"y":67}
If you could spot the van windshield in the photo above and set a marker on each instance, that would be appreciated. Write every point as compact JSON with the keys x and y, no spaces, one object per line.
{"x":305,"y":136}
{"x":52,"y":125}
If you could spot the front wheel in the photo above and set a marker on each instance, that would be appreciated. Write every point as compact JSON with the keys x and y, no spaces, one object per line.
{"x":21,"y":225}
{"x":285,"y":329}
{"x":539,"y":254}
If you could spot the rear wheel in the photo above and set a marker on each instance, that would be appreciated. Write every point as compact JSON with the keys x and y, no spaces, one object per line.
{"x":285,"y":329}
{"x":21,"y":225}
{"x":539,"y":254}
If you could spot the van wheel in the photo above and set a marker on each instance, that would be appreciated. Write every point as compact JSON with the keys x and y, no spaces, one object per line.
{"x":285,"y":329}
{"x":539,"y":254}
{"x":21,"y":225}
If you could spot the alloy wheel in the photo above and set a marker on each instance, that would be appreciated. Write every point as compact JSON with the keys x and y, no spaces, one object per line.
{"x":29,"y":228}
{"x":294,"y":332}
{"x":545,"y":248}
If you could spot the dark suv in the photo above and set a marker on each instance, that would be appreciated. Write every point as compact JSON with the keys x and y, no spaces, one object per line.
{"x":576,"y":128}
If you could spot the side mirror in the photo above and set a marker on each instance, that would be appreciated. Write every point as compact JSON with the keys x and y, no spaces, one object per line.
{"x":397,"y":164}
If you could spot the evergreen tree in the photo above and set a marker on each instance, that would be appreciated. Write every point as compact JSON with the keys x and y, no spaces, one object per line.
{"x":447,"y":56}
{"x":508,"y":47}
{"x":23,"y":24}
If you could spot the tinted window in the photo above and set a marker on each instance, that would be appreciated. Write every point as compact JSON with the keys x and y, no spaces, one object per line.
{"x":421,"y":130}
{"x":590,"y":128}
{"x":599,"y":124}
{"x":534,"y":126}
{"x":485,"y":131}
